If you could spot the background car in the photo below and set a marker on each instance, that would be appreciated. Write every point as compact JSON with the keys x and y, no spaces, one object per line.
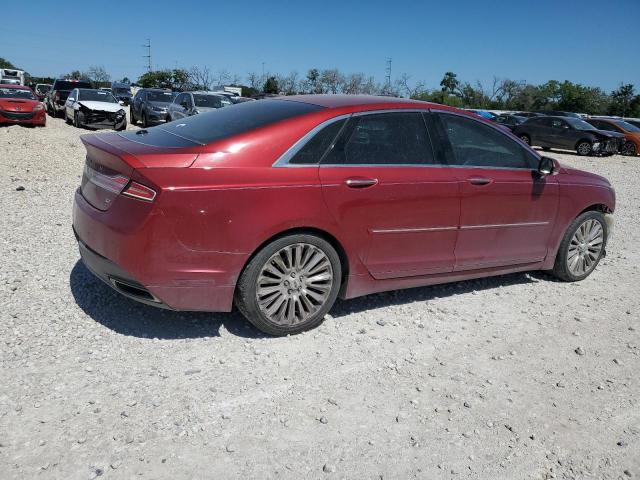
{"x":631,"y":133}
{"x":509,"y":121}
{"x":122,"y":92}
{"x":192,"y":103}
{"x":41,"y":90}
{"x":190,"y":214}
{"x":150,"y":106}
{"x":18,"y":104}
{"x":568,"y":133}
{"x":59,"y":92}
{"x":94,"y":108}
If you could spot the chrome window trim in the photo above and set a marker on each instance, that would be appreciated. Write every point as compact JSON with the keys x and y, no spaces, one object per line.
{"x":461,"y":227}
{"x":283,"y":160}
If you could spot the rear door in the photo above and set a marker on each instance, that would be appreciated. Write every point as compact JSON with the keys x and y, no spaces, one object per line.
{"x":507,"y":210}
{"x":384,"y":187}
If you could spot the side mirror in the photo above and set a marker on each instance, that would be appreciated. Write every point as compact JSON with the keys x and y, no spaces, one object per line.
{"x":121,"y":102}
{"x":546,"y":166}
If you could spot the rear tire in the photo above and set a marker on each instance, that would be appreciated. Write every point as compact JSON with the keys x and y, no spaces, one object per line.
{"x":582,"y":247}
{"x":584,"y":148}
{"x":290,"y":285}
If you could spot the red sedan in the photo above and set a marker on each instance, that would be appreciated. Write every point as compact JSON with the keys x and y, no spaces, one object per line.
{"x":18,"y":104}
{"x":282,"y":205}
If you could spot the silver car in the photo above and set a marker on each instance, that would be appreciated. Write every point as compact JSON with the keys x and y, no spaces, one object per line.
{"x":192,"y":103}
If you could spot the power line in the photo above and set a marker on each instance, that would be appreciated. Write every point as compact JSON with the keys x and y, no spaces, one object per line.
{"x":148,"y":55}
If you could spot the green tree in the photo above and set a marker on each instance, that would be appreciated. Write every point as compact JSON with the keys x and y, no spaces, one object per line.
{"x":4,"y":63}
{"x":621,"y":100}
{"x":271,"y":85}
{"x":176,"y":79}
{"x":450,"y":83}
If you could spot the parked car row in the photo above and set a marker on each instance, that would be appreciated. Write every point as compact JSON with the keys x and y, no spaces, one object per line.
{"x":567,"y":130}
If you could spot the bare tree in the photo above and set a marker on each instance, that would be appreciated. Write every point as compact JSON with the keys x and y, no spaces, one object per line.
{"x":222,"y":77}
{"x":288,"y":83}
{"x":201,"y":78}
{"x":331,"y":80}
{"x":353,"y":84}
{"x":404,"y":86}
{"x":98,"y":75}
{"x":255,"y":80}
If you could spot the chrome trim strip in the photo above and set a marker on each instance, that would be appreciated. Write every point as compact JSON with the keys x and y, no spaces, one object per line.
{"x":411,"y":230}
{"x":503,"y":225}
{"x":463,"y":227}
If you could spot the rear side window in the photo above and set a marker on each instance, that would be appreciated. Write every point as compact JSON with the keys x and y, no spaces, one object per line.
{"x":383,"y":139}
{"x":224,"y":122}
{"x":477,"y":145}
{"x":313,"y":150}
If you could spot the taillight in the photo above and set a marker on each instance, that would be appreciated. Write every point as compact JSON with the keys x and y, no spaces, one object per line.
{"x":139,"y":191}
{"x":112,"y":183}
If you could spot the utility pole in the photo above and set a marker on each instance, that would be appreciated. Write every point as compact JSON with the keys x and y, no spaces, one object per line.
{"x":388,"y":75}
{"x":148,"y":55}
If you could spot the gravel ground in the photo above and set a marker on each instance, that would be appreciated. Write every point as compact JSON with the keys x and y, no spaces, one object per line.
{"x":505,"y":378}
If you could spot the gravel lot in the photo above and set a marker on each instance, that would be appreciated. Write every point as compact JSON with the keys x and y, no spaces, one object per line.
{"x":505,"y":378}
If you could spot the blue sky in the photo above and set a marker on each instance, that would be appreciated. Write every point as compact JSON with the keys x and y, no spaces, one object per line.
{"x":592,"y":42}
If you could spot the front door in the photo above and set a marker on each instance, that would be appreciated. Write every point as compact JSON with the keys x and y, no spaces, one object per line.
{"x":507,"y":208}
{"x":382,"y":185}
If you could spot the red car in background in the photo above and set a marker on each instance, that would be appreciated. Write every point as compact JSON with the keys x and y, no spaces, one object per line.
{"x":18,"y":104}
{"x":282,"y":205}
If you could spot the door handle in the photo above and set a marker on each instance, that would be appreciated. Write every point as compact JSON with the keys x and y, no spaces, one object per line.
{"x":360,"y":182}
{"x":479,"y":181}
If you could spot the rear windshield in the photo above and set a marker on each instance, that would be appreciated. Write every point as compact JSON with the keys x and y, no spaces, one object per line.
{"x":627,"y":126}
{"x":16,"y":93}
{"x":210,"y":101}
{"x":43,"y":88}
{"x":166,"y":97}
{"x":64,"y":85}
{"x":235,"y":119}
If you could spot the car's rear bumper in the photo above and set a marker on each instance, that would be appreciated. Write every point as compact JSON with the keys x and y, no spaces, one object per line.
{"x":137,"y":253}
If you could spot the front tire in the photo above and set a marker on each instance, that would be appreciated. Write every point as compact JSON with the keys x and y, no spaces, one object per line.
{"x":145,"y":122}
{"x":290,"y":285}
{"x":582,"y":247}
{"x":584,"y":148}
{"x":67,"y":120}
{"x":629,"y":148}
{"x":76,"y":120}
{"x":132,"y":119}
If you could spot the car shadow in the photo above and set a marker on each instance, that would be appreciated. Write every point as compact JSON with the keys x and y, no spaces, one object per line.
{"x":424,"y":294}
{"x":128,"y":317}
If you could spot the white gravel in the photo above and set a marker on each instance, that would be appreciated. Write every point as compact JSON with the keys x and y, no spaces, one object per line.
{"x":505,"y":378}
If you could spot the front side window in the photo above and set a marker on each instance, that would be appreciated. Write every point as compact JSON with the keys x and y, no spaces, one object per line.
{"x":383,"y":139}
{"x":555,"y":123}
{"x":477,"y":145}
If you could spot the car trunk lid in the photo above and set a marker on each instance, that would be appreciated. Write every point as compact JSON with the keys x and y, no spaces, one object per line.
{"x":112,"y":159}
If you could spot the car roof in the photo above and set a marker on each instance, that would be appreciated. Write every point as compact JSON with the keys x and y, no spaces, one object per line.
{"x":338,"y":101}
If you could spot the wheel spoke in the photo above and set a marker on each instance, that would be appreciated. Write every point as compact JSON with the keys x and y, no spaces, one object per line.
{"x":294,"y":284}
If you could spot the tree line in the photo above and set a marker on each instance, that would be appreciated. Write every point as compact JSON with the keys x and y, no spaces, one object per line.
{"x":500,"y":94}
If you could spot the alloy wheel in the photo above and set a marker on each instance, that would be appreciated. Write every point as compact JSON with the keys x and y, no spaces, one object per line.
{"x":294,"y":284}
{"x":584,"y":148}
{"x":585,"y":248}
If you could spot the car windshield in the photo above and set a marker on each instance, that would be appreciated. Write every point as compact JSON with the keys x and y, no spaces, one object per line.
{"x":166,"y":97}
{"x":210,"y":101}
{"x":627,"y":126}
{"x":579,"y":124}
{"x":24,"y":93}
{"x":235,"y":119}
{"x":96,"y":96}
